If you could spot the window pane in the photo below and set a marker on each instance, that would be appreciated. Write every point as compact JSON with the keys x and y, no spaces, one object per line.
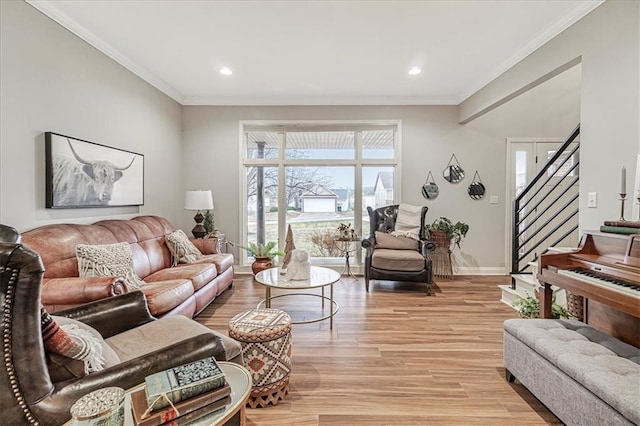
{"x":262,"y":205}
{"x":318,"y":200}
{"x":521,"y":171}
{"x":378,"y":144}
{"x":377,"y":187}
{"x":563,"y":165}
{"x":262,"y":144}
{"x":320,"y":145}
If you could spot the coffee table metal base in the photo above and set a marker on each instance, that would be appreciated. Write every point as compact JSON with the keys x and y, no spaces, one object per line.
{"x":334,"y":305}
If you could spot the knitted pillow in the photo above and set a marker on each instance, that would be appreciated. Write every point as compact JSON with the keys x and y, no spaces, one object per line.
{"x":73,"y":348}
{"x":182,"y":248}
{"x":108,"y":260}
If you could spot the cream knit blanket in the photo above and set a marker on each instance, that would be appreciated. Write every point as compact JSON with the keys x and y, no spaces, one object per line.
{"x":408,"y":221}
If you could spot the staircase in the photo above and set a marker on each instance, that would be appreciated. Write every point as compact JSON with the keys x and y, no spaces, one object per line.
{"x":545,"y":216}
{"x":524,"y":285}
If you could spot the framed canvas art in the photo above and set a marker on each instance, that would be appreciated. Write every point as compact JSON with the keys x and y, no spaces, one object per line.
{"x":80,"y":173}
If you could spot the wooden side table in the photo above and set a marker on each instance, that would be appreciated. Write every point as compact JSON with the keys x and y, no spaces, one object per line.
{"x":234,"y":413}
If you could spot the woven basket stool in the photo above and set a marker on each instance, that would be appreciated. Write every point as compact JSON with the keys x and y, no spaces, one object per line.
{"x":265,"y":335}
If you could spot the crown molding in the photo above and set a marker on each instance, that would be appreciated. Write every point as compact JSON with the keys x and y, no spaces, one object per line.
{"x":316,"y":101}
{"x":48,"y":8}
{"x":578,"y":12}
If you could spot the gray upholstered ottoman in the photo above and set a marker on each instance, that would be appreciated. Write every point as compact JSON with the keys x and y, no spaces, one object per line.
{"x":265,"y":335}
{"x":583,"y":376}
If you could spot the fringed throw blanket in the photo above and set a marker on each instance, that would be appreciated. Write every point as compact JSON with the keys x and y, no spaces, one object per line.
{"x":108,"y":260}
{"x":408,"y":221}
{"x":71,"y":341}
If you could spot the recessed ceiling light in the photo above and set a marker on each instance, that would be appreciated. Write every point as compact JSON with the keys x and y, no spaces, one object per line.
{"x":415,"y":71}
{"x":226,"y":71}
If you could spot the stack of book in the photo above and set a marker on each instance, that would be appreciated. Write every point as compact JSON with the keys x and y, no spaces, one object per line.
{"x":181,"y":394}
{"x":628,"y":227}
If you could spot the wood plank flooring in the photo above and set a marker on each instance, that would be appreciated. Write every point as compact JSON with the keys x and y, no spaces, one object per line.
{"x":394,"y":357}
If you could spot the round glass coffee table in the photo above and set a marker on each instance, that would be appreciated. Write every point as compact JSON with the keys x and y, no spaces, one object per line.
{"x":240,"y":381}
{"x":319,"y":278}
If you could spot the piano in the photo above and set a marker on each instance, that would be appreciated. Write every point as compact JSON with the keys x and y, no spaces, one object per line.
{"x":605,"y":271}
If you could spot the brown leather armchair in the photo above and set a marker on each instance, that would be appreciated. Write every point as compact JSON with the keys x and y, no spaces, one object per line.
{"x":28,"y":395}
{"x":397,"y":263}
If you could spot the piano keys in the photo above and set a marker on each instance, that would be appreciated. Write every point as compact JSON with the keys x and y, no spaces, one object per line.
{"x":605,"y":270}
{"x":603,"y":280}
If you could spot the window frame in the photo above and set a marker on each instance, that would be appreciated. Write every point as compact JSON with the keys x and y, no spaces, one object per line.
{"x":281,"y":162}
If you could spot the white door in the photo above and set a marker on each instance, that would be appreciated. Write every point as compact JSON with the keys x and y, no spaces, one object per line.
{"x":542,"y":224}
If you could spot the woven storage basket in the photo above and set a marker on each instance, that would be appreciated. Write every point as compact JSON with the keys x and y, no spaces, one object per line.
{"x":575,"y":306}
{"x":440,"y":238}
{"x":441,"y":256}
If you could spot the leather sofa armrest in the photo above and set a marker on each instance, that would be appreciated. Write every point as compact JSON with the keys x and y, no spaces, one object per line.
{"x":207,"y":245}
{"x":113,"y":315}
{"x":77,"y":290}
{"x":426,"y":246}
{"x":369,"y":243}
{"x":132,"y":373}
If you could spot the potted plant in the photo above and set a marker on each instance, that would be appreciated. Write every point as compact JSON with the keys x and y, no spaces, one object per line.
{"x":529,"y":307}
{"x":263,"y":255}
{"x":452,"y":233}
{"x":346,"y":232}
{"x":209,"y":223}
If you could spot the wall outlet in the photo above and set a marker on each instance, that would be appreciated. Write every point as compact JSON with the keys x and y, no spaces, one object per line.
{"x":592,"y":199}
{"x":493,"y":199}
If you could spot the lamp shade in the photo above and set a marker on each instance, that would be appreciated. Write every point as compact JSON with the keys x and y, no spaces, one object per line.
{"x":198,"y":200}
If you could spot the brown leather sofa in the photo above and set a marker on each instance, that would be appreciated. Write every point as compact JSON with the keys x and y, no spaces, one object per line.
{"x":29,"y":394}
{"x":183,"y":289}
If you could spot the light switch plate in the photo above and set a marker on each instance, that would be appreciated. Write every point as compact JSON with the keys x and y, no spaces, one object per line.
{"x":493,"y":199}
{"x":592,"y":199}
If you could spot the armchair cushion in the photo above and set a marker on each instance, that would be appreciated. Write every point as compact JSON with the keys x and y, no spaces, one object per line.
{"x":106,"y":260}
{"x":181,"y":248}
{"x":63,"y":368}
{"x":165,"y":331}
{"x":398,"y":260}
{"x":162,"y":296}
{"x":388,"y":241}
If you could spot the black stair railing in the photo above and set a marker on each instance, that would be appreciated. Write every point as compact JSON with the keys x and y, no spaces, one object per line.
{"x":527,"y":210}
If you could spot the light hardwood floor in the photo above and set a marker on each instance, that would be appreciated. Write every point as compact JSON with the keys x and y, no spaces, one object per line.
{"x":395,"y":356}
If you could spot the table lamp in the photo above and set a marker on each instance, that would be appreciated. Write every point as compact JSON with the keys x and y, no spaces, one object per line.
{"x":198,"y":200}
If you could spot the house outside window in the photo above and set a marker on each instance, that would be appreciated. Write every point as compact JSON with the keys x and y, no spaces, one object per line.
{"x":313,"y":176}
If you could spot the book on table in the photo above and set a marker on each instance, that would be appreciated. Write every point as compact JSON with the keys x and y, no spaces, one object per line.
{"x":183,"y":382}
{"x":188,"y":409}
{"x":623,"y":223}
{"x":627,"y":230}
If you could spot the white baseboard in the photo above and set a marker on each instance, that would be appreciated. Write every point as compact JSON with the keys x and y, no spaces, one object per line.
{"x":480,"y":270}
{"x":358,"y":270}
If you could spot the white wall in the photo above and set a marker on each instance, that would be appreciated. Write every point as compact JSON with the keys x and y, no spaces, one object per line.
{"x":430,"y":134}
{"x":608,"y":41}
{"x":50,"y":80}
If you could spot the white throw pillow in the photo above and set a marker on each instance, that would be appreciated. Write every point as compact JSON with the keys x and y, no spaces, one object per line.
{"x":108,"y":260}
{"x":182,"y":248}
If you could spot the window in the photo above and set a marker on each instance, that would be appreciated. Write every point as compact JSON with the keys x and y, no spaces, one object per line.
{"x":314,"y":176}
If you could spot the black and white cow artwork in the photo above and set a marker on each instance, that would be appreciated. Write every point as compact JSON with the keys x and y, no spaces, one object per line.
{"x":81,"y":182}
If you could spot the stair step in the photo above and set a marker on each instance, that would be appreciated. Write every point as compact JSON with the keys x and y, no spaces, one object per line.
{"x":561,"y":249}
{"x":509,"y":295}
{"x":526,"y":284}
